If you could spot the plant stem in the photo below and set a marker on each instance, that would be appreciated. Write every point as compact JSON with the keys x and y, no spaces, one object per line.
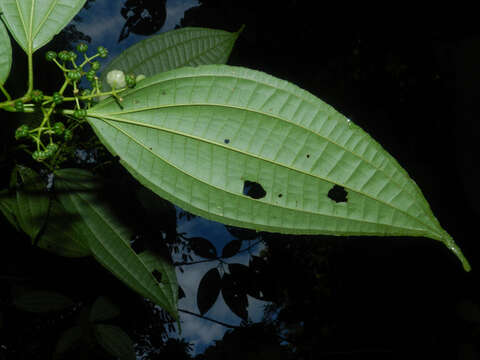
{"x":5,"y":92}
{"x":30,"y":74}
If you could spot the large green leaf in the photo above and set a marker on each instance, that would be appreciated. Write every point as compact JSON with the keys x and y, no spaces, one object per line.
{"x":175,"y":49}
{"x":5,"y":54}
{"x":33,"y":23}
{"x":107,"y":238}
{"x":9,"y":208}
{"x":62,"y":234}
{"x":199,"y":136}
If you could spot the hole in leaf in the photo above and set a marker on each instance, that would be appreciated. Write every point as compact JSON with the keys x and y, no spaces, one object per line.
{"x":280,"y":195}
{"x":338,"y":194}
{"x":226,"y":141}
{"x":308,"y":155}
{"x":158,"y":275}
{"x":253,"y":190}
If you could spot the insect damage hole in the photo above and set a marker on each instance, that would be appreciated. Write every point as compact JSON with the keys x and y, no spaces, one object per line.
{"x":338,"y":194}
{"x":253,"y":190}
{"x":157,"y":275}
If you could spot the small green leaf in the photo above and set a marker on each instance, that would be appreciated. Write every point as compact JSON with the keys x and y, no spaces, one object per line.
{"x":33,"y":202}
{"x":5,"y":54}
{"x":103,"y":309}
{"x":68,"y":339}
{"x":198,"y":136}
{"x":33,"y":23}
{"x":41,"y":301}
{"x":174,"y":49}
{"x":107,"y":238}
{"x":115,"y":341}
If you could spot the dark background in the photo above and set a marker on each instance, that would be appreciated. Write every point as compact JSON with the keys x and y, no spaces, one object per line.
{"x":410,"y":79}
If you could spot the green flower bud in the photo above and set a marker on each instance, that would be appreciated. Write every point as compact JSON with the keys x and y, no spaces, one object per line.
{"x":82,"y":48}
{"x":130,"y":80}
{"x":116,"y":79}
{"x":58,"y":128}
{"x":80,"y":113}
{"x":102,"y":52}
{"x":52,"y":148}
{"x":19,"y":105}
{"x":95,"y":65}
{"x":57,"y":98}
{"x":68,"y":135}
{"x":72,"y":56}
{"x":90,"y":75}
{"x":37,"y":96}
{"x":50,"y":55}
{"x":64,"y":55}
{"x":36,"y":155}
{"x":74,"y":75}
{"x":140,"y":78}
{"x":22,"y":132}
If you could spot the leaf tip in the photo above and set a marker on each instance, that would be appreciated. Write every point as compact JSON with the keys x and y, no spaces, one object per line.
{"x":456,"y":250}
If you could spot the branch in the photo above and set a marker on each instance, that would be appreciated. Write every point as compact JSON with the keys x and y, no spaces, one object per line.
{"x":217,"y":258}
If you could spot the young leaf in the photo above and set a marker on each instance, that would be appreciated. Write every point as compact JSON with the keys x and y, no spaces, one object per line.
{"x":103,"y":309}
{"x":107,"y":238}
{"x":115,"y":341}
{"x":208,"y":290}
{"x":172,"y":132}
{"x":68,"y":339}
{"x":33,"y":23}
{"x":174,"y":49}
{"x":33,"y":202}
{"x":41,"y":301}
{"x":5,"y":54}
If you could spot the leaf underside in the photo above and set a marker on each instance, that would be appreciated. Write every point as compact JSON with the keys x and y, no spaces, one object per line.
{"x":5,"y":54}
{"x":33,"y":23}
{"x":174,"y":49}
{"x":195,"y":136}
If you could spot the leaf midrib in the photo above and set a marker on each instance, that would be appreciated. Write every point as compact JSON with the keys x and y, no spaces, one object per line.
{"x":101,"y":117}
{"x":413,"y":195}
{"x":416,"y":192}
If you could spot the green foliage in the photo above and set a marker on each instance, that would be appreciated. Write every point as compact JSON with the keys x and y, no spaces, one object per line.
{"x":187,"y":135}
{"x":227,"y":143}
{"x":41,"y":301}
{"x":108,"y":239}
{"x":192,"y":47}
{"x":33,"y":23}
{"x":5,"y":54}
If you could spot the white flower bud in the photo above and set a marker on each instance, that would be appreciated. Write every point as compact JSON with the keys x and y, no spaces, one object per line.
{"x":140,"y":78}
{"x":116,"y":79}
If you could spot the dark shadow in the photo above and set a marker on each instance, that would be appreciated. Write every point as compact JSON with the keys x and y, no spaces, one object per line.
{"x":143,"y":17}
